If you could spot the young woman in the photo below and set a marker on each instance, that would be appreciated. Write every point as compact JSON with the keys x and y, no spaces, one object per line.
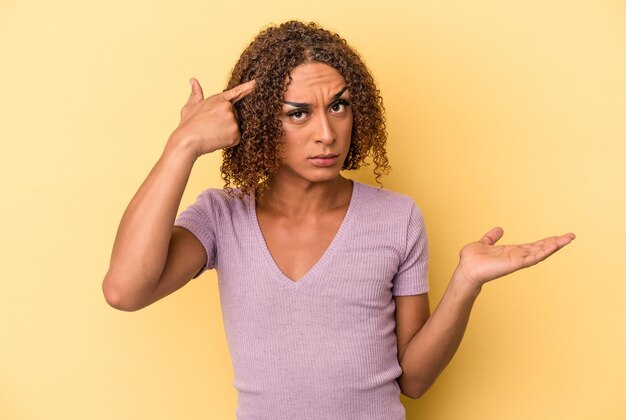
{"x":322,"y":279}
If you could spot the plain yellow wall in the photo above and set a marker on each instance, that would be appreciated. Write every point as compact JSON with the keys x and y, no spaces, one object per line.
{"x":500,"y":113}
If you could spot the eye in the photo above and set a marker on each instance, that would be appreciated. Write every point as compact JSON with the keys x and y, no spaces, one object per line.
{"x":297,"y":114}
{"x":339,"y":106}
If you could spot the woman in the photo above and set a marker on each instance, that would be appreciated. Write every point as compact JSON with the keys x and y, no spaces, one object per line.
{"x":323,"y":280}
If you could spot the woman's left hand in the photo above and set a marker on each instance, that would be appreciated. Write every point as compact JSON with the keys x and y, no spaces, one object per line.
{"x":482,"y":261}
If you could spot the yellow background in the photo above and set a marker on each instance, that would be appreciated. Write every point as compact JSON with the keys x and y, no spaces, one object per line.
{"x":499,"y":113}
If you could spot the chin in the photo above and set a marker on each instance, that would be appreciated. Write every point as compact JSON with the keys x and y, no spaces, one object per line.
{"x":312,"y":174}
{"x":327,"y":176}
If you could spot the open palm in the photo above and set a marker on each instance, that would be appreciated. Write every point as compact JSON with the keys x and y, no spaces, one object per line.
{"x":482,"y":261}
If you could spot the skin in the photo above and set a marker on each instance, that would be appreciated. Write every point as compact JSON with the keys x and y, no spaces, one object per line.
{"x":301,"y":190}
{"x":426,"y":343}
{"x":150,"y":258}
{"x":304,"y":205}
{"x":299,"y":216}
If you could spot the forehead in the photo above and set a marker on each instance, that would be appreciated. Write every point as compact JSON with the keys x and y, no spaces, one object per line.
{"x":312,"y":79}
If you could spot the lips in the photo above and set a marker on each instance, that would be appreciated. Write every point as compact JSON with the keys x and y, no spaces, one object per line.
{"x":325,"y":160}
{"x":324,"y":156}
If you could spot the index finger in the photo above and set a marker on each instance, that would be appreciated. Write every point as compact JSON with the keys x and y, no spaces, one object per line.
{"x":239,"y":91}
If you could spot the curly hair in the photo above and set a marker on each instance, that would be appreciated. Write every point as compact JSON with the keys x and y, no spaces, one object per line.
{"x":269,"y":59}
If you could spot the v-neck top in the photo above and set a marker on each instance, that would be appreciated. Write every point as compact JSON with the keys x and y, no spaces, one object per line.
{"x":316,"y":267}
{"x":322,"y":347}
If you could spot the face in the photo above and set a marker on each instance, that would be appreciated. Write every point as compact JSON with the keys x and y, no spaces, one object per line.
{"x":317,"y":121}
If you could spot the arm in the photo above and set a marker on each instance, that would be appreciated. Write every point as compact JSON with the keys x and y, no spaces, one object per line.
{"x":435,"y":338}
{"x":150,"y":257}
{"x":434,"y":341}
{"x":143,"y":238}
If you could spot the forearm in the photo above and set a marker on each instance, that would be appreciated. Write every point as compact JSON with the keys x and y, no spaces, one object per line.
{"x":432,"y":347}
{"x":142,"y":241}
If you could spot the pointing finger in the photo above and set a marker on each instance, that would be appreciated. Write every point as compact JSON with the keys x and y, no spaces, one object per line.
{"x":239,"y":91}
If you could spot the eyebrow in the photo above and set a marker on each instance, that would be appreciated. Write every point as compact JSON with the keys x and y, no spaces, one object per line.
{"x":305,"y":105}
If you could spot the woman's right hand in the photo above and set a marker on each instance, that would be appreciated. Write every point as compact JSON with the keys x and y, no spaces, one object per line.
{"x":207,"y":125}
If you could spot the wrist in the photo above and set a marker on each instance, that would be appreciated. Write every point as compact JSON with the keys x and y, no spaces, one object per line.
{"x":463,"y":284}
{"x":180,"y":149}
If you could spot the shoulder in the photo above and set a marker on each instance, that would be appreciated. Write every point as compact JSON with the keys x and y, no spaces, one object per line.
{"x":384,"y":198}
{"x":221,"y":195}
{"x":221,"y":202}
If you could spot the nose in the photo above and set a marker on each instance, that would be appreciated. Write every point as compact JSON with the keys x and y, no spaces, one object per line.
{"x":324,"y":130}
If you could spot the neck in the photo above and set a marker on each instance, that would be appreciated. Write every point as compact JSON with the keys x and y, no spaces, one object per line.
{"x":303,"y":199}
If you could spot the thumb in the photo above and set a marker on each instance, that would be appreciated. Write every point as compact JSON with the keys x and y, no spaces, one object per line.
{"x":196,"y":92}
{"x":492,"y":236}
